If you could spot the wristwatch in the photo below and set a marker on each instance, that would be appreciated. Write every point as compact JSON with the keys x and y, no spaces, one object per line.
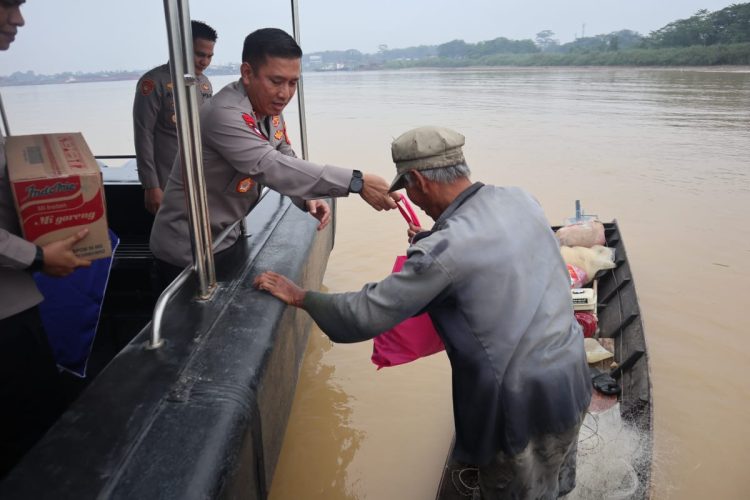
{"x":38,"y":263}
{"x":357,"y":183}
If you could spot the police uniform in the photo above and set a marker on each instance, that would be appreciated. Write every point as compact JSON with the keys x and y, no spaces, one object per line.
{"x":240,"y":153}
{"x":18,"y":291}
{"x":154,"y":124}
{"x":29,"y":382}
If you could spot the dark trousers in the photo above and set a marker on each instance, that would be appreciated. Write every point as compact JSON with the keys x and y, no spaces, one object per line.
{"x":163,"y":273}
{"x":31,"y":395}
{"x":545,"y":469}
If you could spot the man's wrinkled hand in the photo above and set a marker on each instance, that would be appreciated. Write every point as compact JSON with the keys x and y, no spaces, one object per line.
{"x":280,"y":287}
{"x":412,"y":231}
{"x":320,"y":210}
{"x":375,"y":192}
{"x":59,"y":259}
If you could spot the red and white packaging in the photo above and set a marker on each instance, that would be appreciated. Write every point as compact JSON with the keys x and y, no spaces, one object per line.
{"x":578,"y":276}
{"x":57,"y":189}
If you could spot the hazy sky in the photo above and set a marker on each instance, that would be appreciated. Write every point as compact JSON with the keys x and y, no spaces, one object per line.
{"x":92,"y":35}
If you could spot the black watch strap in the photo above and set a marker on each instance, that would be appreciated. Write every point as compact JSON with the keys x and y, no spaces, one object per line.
{"x":38,"y":263}
{"x":357,"y":182}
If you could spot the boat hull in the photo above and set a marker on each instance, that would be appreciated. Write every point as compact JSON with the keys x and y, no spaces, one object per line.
{"x":203,"y":416}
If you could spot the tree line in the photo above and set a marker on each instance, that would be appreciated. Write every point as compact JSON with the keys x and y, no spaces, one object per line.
{"x":706,"y":38}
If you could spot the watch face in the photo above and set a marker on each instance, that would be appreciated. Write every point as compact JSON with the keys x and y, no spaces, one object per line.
{"x":356,"y":185}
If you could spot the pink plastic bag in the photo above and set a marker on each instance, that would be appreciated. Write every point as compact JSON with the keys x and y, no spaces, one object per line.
{"x":413,"y":338}
{"x":582,"y":234}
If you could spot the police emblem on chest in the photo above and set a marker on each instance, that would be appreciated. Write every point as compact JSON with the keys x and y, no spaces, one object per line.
{"x":245,"y":185}
{"x":250,"y":122}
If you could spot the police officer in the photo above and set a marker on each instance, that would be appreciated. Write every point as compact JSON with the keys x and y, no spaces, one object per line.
{"x":29,"y":381}
{"x":245,"y":145}
{"x":154,"y":119}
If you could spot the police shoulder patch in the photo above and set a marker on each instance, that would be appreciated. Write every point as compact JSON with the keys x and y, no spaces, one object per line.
{"x":248,"y":120}
{"x":147,"y":86}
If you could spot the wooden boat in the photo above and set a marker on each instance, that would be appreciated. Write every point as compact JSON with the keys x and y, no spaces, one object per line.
{"x":619,"y":460}
{"x":200,"y":413}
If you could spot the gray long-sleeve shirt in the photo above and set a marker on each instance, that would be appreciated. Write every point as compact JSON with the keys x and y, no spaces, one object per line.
{"x":18,"y":291}
{"x":154,"y":124}
{"x":241,"y":152}
{"x":491,"y":277}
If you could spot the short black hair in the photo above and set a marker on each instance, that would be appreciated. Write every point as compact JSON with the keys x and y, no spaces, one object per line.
{"x":266,"y":42}
{"x":203,"y":31}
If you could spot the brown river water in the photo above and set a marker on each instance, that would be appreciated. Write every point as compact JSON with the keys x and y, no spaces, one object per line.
{"x":664,"y":151}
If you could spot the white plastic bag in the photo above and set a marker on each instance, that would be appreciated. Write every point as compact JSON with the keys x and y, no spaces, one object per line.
{"x":591,"y":260}
{"x":594,"y":351}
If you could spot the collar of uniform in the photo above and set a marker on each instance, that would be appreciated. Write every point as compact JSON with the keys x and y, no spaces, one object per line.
{"x":265,"y":125}
{"x":460,"y":199}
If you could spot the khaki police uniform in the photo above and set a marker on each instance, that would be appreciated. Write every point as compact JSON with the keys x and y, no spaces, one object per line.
{"x":18,"y":291}
{"x":240,"y":154}
{"x":154,"y":124}
{"x":29,"y":380}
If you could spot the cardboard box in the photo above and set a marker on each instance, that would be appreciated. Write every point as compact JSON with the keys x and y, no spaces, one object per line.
{"x":57,"y":188}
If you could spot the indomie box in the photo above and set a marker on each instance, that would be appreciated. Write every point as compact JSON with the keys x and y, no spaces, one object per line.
{"x":57,"y":187}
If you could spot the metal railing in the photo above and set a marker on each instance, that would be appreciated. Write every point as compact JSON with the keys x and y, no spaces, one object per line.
{"x":178,"y":30}
{"x":182,"y":70}
{"x":6,"y":126}
{"x":169,"y":292}
{"x":300,"y":85}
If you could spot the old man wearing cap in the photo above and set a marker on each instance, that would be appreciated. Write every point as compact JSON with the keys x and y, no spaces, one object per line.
{"x":490,"y":275}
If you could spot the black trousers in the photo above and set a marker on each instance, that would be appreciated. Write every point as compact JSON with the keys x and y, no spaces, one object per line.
{"x":162,"y":274}
{"x":31,"y":395}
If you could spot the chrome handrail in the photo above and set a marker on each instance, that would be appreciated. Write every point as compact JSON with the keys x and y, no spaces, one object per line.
{"x":193,"y":159}
{"x":300,"y":86}
{"x":161,"y":304}
{"x":6,"y":127}
{"x":113,"y":157}
{"x":182,"y":71}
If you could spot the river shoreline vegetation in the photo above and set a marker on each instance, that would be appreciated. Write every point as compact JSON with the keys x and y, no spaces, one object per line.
{"x":720,"y":38}
{"x":704,"y":39}
{"x":714,"y":55}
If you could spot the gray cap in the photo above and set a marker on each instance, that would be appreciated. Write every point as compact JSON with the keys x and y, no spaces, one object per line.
{"x":424,"y":148}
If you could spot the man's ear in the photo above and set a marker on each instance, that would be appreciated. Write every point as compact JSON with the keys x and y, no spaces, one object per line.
{"x":419,"y":180}
{"x":246,"y":71}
